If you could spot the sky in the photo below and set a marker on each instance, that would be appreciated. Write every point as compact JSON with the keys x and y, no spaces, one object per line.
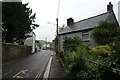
{"x":46,"y":11}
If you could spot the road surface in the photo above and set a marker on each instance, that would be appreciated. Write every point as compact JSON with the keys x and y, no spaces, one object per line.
{"x":32,"y":66}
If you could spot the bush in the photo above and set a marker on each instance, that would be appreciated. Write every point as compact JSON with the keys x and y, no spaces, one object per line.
{"x":71,"y":44}
{"x":72,"y":60}
{"x":101,"y":50}
{"x":105,"y":32}
{"x":79,"y":59}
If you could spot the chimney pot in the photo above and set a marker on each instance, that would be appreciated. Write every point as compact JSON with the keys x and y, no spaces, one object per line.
{"x":70,"y":21}
{"x":109,"y":7}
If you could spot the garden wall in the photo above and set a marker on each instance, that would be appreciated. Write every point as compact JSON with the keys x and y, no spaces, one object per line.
{"x":12,"y":52}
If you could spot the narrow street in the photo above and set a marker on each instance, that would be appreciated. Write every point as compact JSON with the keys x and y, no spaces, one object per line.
{"x":32,"y":66}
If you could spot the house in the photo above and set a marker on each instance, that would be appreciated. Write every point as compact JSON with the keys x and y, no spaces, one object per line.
{"x":30,"y":41}
{"x":84,"y":27}
{"x":37,"y":45}
{"x":43,"y":44}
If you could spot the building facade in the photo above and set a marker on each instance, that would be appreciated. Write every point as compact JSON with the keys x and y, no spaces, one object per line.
{"x":83,"y":28}
{"x":30,"y":41}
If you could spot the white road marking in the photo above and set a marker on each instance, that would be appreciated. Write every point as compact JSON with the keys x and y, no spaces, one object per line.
{"x":17,"y":74}
{"x":21,"y":72}
{"x":39,"y":73}
{"x":47,"y":69}
{"x":46,"y":74}
{"x":19,"y":77}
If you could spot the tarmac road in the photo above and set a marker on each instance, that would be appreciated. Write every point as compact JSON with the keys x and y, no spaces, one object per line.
{"x":32,"y":66}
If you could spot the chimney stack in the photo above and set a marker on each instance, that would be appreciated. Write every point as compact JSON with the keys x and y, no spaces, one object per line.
{"x":109,"y":7}
{"x":70,"y":21}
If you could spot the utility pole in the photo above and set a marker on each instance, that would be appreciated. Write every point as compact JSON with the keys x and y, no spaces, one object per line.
{"x":57,"y":26}
{"x":57,"y":35}
{"x":46,"y":43}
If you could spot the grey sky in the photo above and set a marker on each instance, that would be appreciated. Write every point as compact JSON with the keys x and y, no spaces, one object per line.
{"x":10,"y":0}
{"x":46,"y":11}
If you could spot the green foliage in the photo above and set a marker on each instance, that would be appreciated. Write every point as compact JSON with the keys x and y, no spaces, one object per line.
{"x":17,"y":20}
{"x":72,"y":43}
{"x":103,"y":50}
{"x":72,"y":59}
{"x":61,"y":28}
{"x":37,"y":41}
{"x":84,"y":62}
{"x":105,"y":32}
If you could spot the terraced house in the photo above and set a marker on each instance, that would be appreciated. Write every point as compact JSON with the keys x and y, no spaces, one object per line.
{"x":84,"y":27}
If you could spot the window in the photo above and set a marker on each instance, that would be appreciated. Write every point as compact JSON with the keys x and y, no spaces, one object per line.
{"x":85,"y":36}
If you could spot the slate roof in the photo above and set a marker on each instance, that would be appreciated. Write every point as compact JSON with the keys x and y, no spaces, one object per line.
{"x":89,"y":23}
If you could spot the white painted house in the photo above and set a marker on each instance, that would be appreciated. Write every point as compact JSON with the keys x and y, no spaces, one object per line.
{"x":30,"y":41}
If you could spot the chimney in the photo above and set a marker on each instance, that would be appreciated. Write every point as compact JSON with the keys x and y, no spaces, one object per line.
{"x":109,"y":7}
{"x":70,"y":21}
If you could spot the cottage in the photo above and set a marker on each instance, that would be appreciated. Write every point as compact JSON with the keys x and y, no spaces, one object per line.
{"x":84,"y":27}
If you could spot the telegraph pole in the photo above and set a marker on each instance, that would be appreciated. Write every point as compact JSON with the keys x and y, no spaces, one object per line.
{"x":57,"y":35}
{"x":46,"y":42}
{"x":57,"y":26}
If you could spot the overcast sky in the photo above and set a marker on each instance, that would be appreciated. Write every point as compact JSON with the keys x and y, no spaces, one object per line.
{"x":46,"y":11}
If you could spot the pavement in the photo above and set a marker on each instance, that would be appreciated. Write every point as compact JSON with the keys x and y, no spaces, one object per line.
{"x":56,"y":70}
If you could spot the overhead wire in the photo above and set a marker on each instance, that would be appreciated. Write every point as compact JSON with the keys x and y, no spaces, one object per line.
{"x":57,"y":17}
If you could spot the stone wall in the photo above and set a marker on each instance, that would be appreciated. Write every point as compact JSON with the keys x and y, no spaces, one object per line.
{"x":12,"y":52}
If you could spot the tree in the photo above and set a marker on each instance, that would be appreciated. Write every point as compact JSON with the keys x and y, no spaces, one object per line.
{"x":61,"y":28}
{"x":105,"y":32}
{"x":18,"y":21}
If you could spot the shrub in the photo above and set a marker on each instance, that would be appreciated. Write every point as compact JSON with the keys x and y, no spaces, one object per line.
{"x":72,"y":59}
{"x":79,"y":59}
{"x":101,"y":50}
{"x":71,"y":43}
{"x":105,"y":32}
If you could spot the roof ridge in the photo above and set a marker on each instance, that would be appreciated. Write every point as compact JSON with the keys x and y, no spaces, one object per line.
{"x":92,"y":17}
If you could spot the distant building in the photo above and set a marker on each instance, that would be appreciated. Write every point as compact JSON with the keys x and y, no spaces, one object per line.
{"x":83,"y":28}
{"x":30,"y":41}
{"x":43,"y":44}
{"x":119,"y":12}
{"x":37,"y":45}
